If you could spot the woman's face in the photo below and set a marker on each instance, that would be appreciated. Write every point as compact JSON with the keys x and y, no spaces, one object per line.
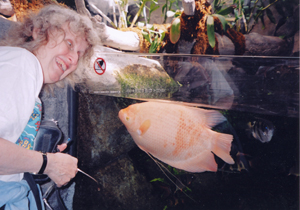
{"x":59,"y":57}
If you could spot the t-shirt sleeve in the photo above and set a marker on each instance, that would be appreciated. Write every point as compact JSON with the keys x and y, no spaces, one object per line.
{"x":20,"y":84}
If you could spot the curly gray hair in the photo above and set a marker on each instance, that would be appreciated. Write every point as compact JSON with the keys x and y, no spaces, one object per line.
{"x":50,"y":18}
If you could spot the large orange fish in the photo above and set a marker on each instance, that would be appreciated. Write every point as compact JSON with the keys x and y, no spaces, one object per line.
{"x":178,"y":135}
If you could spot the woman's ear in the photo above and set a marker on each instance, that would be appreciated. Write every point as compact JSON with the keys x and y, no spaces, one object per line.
{"x":35,"y":33}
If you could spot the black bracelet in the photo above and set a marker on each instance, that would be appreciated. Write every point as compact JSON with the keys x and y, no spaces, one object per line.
{"x":45,"y":160}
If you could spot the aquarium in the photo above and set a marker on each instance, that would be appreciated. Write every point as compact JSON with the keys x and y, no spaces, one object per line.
{"x":258,"y":99}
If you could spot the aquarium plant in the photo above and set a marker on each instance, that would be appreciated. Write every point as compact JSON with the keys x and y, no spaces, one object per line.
{"x":154,"y":37}
{"x":246,"y":14}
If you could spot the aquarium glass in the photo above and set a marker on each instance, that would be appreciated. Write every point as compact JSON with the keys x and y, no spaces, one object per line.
{"x":259,"y":98}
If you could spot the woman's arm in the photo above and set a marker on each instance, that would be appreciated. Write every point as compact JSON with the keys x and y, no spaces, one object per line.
{"x":61,"y":168}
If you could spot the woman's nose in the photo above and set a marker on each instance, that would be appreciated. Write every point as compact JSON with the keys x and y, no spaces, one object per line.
{"x":73,"y":57}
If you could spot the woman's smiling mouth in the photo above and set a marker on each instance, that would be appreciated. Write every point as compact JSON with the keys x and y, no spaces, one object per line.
{"x":61,"y":64}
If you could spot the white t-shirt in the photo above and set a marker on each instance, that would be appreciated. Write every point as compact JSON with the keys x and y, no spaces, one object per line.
{"x":21,"y":80}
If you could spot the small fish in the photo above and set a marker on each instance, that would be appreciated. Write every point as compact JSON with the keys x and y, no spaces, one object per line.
{"x":261,"y":130}
{"x":178,"y":135}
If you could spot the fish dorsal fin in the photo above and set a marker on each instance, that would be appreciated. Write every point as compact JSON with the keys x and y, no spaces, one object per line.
{"x":144,"y":127}
{"x":213,"y":118}
{"x":210,"y":117}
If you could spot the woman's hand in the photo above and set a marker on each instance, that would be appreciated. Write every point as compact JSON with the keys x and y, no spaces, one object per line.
{"x":62,"y":147}
{"x":61,"y":168}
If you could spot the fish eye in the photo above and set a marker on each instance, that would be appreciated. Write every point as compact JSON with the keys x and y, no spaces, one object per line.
{"x":126,"y":117}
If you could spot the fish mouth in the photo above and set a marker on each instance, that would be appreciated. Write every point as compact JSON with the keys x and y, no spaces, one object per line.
{"x":121,"y":114}
{"x":61,"y":64}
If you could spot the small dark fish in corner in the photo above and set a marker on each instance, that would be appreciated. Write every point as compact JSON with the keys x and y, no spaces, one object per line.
{"x":261,"y":130}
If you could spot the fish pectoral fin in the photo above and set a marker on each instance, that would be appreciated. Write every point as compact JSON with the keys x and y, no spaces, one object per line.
{"x":144,"y":127}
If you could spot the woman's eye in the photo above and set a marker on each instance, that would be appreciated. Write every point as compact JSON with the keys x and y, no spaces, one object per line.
{"x":69,"y":43}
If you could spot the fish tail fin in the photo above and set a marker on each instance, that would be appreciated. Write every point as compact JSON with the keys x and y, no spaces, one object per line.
{"x":222,"y":147}
{"x":213,"y":118}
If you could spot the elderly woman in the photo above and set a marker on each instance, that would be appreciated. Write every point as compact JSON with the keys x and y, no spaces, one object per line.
{"x":45,"y":48}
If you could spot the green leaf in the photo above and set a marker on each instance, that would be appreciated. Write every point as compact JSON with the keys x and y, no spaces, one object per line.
{"x":157,"y":180}
{"x":153,"y":46}
{"x":216,"y":3}
{"x":270,"y":15}
{"x":211,"y":31}
{"x":222,"y":19}
{"x":162,"y":35}
{"x":175,"y":171}
{"x":226,"y":11}
{"x":178,"y":13}
{"x":146,"y":35}
{"x":188,"y":189}
{"x":153,"y":7}
{"x":262,"y":21}
{"x":150,"y":26}
{"x":175,"y":30}
{"x":163,"y":8}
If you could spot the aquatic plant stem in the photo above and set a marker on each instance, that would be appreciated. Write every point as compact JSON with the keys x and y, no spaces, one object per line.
{"x":252,"y":12}
{"x":103,"y":15}
{"x":257,"y":16}
{"x":122,"y":18}
{"x":87,"y":175}
{"x":263,"y":9}
{"x":114,"y":15}
{"x":138,"y":13}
